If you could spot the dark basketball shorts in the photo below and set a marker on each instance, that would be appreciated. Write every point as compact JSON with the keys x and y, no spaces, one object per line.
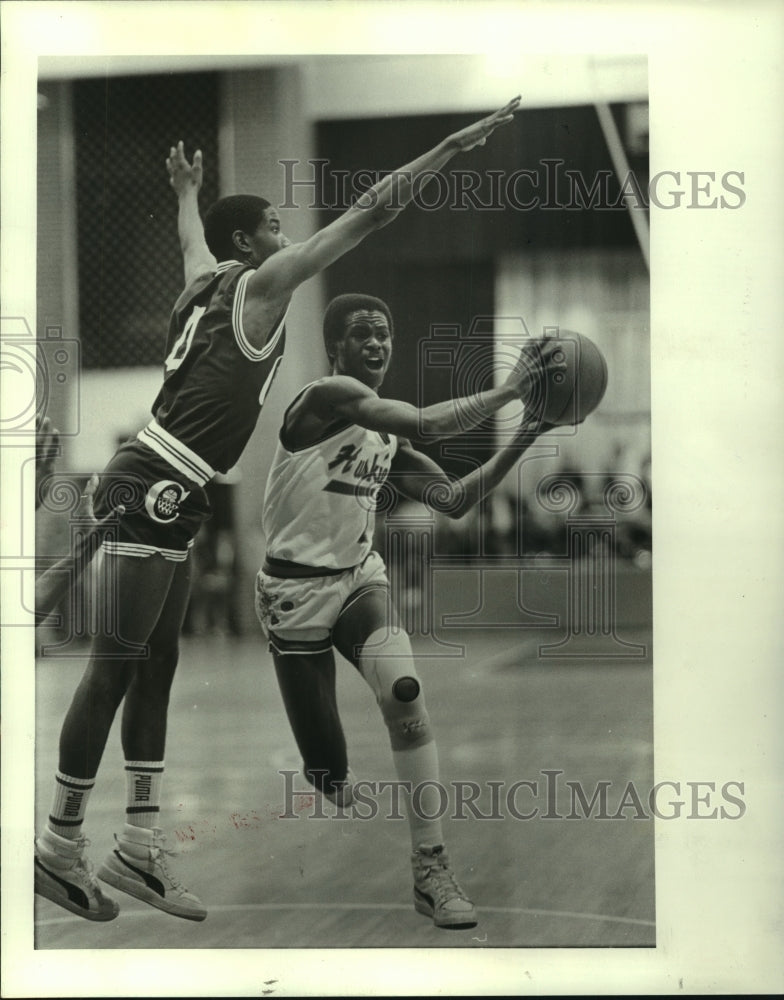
{"x":163,"y":508}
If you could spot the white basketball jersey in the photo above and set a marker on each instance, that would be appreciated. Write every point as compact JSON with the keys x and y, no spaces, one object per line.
{"x":319,"y":505}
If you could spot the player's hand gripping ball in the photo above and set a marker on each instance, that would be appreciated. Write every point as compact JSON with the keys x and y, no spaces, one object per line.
{"x":572,"y":378}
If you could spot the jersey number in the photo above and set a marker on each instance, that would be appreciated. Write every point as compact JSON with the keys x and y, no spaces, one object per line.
{"x":183,"y":342}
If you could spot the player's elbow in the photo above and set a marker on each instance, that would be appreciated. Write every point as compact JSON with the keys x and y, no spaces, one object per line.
{"x":370,"y":214}
{"x":460,"y":506}
{"x":449,"y":497}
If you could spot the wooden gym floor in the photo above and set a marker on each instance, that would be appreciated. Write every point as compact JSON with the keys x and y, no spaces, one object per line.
{"x":502,"y":712}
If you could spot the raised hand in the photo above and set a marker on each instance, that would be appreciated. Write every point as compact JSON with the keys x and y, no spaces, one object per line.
{"x":527,"y":372}
{"x":84,"y":511}
{"x":184,"y":176}
{"x":532,"y":425}
{"x":477,"y":134}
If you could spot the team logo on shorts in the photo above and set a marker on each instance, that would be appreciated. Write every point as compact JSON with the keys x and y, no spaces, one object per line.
{"x":163,"y":501}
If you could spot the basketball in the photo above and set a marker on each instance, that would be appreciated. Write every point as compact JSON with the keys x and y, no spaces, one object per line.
{"x":567,"y":398}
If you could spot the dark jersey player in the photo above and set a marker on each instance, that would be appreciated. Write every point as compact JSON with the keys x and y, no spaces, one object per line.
{"x":322,"y":585}
{"x":225,"y":341}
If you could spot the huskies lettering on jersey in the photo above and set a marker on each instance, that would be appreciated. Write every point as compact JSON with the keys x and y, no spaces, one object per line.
{"x":368,"y":474}
{"x":347,"y":455}
{"x":163,"y":501}
{"x":374,"y":471}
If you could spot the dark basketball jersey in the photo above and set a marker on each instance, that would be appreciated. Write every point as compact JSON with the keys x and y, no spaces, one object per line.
{"x":214,"y":381}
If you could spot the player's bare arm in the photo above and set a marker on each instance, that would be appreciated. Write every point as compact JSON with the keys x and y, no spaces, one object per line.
{"x":186,"y":180}
{"x":419,"y":478}
{"x":341,"y":398}
{"x":280,"y":274}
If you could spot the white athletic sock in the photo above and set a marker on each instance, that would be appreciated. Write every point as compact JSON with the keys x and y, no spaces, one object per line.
{"x":427,"y":802}
{"x":69,"y":804}
{"x":143,"y":781}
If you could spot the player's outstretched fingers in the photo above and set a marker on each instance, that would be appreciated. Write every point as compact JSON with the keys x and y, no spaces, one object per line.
{"x":84,"y":510}
{"x":506,"y":113}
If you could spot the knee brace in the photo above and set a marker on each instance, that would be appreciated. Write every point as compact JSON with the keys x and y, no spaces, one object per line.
{"x":387,"y":664}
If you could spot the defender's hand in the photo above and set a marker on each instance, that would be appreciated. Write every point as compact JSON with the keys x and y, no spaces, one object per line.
{"x":85,"y":512}
{"x":477,"y":134}
{"x":184,"y":176}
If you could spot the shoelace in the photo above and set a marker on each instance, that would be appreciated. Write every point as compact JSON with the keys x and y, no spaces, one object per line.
{"x":443,"y":881}
{"x":159,"y":854}
{"x":83,"y":864}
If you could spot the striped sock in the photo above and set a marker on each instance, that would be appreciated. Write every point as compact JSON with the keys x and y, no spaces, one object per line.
{"x":143,"y":780}
{"x":69,"y":804}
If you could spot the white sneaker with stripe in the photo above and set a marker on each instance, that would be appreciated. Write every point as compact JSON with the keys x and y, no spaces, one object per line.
{"x":437,"y":893}
{"x":64,"y":876}
{"x":139,"y":866}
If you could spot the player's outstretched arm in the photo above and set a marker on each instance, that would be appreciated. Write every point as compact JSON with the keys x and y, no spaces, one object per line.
{"x":186,"y":180}
{"x":346,"y":398}
{"x":340,"y":397}
{"x":378,"y":206}
{"x":54,"y":582}
{"x":419,"y":478}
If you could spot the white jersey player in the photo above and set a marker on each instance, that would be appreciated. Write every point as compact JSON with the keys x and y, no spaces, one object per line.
{"x":323,"y":586}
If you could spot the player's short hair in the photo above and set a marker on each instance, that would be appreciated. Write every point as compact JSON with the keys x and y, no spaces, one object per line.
{"x":226,"y":216}
{"x":340,"y":307}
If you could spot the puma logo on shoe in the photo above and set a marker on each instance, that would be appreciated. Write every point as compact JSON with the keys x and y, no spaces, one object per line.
{"x":75,"y":894}
{"x":150,"y":880}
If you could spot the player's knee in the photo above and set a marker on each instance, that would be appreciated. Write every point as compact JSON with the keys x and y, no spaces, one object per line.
{"x":325,"y":776}
{"x":402,"y":705}
{"x":154,"y":676}
{"x":165,"y":656}
{"x":107,"y":682}
{"x":406,"y":689}
{"x":407,"y":720}
{"x":387,"y":664}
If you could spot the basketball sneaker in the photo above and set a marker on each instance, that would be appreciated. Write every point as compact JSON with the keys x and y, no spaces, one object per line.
{"x":139,"y":866}
{"x":64,"y":876}
{"x":437,"y":893}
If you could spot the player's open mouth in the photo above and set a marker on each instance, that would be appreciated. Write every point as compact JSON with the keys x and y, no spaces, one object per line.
{"x":375,"y":364}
